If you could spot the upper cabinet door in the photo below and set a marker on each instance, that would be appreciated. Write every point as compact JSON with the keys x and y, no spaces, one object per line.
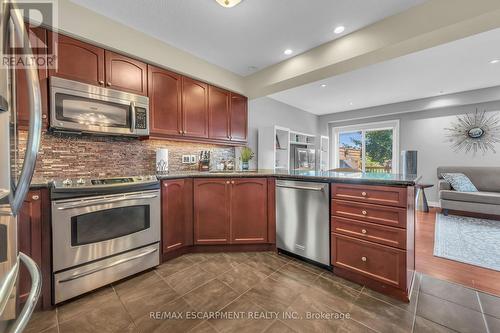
{"x":77,"y":60}
{"x":195,"y":108}
{"x":38,"y":40}
{"x":218,"y":111}
{"x":239,"y":117}
{"x":165,"y":101}
{"x":249,"y":210}
{"x":127,"y":74}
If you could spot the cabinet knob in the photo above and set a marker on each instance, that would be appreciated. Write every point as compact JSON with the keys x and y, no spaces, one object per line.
{"x":363,"y":194}
{"x":166,"y":185}
{"x":364,"y":212}
{"x":101,"y":82}
{"x":232,"y":182}
{"x":363,"y":231}
{"x":35,"y":197}
{"x":227,"y":182}
{"x":363,"y":259}
{"x":44,"y":116}
{"x":108,"y":84}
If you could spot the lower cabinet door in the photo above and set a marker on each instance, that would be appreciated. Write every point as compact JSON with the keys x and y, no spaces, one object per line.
{"x":378,"y":262}
{"x":211,"y":211}
{"x":177,"y":216}
{"x":249,"y":210}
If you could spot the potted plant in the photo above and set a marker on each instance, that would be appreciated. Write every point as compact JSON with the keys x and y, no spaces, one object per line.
{"x":245,"y":155}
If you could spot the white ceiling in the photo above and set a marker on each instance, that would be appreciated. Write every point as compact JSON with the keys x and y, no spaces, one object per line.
{"x":252,"y":35}
{"x":454,"y":67}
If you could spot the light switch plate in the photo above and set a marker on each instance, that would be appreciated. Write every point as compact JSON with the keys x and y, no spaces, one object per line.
{"x":193,"y":159}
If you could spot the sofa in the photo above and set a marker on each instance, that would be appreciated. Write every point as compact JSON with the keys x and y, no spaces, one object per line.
{"x":485,"y":201}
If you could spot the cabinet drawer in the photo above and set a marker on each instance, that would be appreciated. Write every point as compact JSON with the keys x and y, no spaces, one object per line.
{"x":378,"y":262}
{"x":393,"y":216}
{"x":382,"y":195}
{"x":369,"y":231}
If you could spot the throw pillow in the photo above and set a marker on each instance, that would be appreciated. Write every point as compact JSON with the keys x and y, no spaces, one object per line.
{"x":459,"y":182}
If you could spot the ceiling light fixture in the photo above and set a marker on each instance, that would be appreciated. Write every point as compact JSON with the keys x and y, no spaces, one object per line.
{"x":323,"y":85}
{"x":340,"y":29}
{"x":351,"y":103}
{"x":288,"y":52}
{"x":494,"y":61}
{"x":228,"y":3}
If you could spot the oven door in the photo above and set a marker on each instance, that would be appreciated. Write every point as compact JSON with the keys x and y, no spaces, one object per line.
{"x":87,"y":229}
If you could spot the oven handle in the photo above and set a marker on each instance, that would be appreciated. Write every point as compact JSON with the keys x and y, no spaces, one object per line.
{"x":113,"y":264}
{"x":132,"y":115}
{"x":105,"y":201}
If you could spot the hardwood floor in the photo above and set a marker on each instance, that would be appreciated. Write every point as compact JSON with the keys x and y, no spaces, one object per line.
{"x":483,"y":279}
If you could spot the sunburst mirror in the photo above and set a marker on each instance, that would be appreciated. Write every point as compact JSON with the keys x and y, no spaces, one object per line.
{"x":475,"y":132}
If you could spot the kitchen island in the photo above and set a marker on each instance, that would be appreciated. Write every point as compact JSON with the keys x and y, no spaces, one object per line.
{"x":372,"y":217}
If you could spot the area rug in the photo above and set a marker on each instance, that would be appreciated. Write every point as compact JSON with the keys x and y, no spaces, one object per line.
{"x":469,"y":240}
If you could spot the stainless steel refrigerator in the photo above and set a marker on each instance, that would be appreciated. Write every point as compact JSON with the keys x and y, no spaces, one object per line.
{"x":14,"y":183}
{"x":302,"y":158}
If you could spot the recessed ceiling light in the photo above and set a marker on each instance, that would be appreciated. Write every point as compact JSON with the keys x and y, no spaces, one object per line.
{"x":323,"y":85}
{"x":351,"y":103}
{"x":288,"y":52}
{"x":494,"y":61}
{"x":340,"y":29}
{"x":228,"y":3}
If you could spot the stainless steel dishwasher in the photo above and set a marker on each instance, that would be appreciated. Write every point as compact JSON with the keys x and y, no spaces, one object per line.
{"x":302,"y":219}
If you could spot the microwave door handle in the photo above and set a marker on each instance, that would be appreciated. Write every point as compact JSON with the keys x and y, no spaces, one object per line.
{"x":35,"y":107}
{"x":132,"y":117}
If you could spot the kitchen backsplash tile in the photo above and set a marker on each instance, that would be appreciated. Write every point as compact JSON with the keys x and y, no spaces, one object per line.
{"x":72,"y":156}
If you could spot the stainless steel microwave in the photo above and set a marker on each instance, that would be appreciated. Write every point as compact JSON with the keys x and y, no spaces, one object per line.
{"x":84,"y":108}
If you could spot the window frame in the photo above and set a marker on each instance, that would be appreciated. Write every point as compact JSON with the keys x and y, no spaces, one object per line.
{"x":363,"y":128}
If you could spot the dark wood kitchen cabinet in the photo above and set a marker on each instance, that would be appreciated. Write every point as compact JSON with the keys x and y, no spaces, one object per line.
{"x":126,"y":74}
{"x":177,"y":214}
{"x":194,"y":108}
{"x":84,"y":62}
{"x":219,"y":113}
{"x":38,"y":40}
{"x":165,"y":90}
{"x":248,"y":215}
{"x":211,"y":211}
{"x":230,"y":211}
{"x":239,"y":118}
{"x":34,"y":241}
{"x":77,"y":60}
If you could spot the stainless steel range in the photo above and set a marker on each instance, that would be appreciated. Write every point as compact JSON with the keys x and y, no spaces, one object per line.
{"x":103,"y":230}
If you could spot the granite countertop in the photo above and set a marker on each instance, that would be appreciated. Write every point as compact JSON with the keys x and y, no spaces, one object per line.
{"x":327,"y":176}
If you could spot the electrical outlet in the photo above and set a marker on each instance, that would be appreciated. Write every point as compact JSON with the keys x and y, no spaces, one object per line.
{"x":186,"y":159}
{"x":193,"y":159}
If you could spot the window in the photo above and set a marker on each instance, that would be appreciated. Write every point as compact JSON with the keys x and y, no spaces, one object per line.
{"x":370,"y":147}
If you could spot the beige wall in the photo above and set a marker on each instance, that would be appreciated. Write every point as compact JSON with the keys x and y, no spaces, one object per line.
{"x":85,"y":24}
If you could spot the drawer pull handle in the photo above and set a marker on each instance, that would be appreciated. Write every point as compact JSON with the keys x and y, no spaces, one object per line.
{"x":364,"y":259}
{"x":363,"y":231}
{"x":363,"y":194}
{"x":35,"y":197}
{"x":364,"y":212}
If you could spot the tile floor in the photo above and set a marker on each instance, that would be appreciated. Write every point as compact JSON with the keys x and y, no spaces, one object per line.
{"x":258,"y":285}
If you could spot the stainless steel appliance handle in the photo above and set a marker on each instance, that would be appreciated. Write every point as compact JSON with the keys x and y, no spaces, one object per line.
{"x":7,"y":286}
{"x":113,"y":264}
{"x":36,"y":286}
{"x":105,"y":201}
{"x":307,"y":188}
{"x":132,"y":115}
{"x":35,"y":105}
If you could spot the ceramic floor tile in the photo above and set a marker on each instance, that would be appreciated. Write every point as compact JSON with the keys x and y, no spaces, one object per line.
{"x":278,"y":327}
{"x":109,"y":317}
{"x":490,"y":304}
{"x":335,"y":278}
{"x":175,"y":265}
{"x":449,"y":314}
{"x":219,"y":264}
{"x":423,"y":325}
{"x":204,"y":327}
{"x":265,"y":263}
{"x":493,"y":324}
{"x":450,"y":291}
{"x":296,"y":273}
{"x":351,"y":326}
{"x":275,"y":296}
{"x":242,"y":277}
{"x":309,"y":267}
{"x":381,"y":316}
{"x":212,"y":296}
{"x":149,"y":283}
{"x":54,"y":329}
{"x":189,"y":279}
{"x":333,"y":295}
{"x":245,"y":323}
{"x":86,"y":303}
{"x":41,"y":320}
